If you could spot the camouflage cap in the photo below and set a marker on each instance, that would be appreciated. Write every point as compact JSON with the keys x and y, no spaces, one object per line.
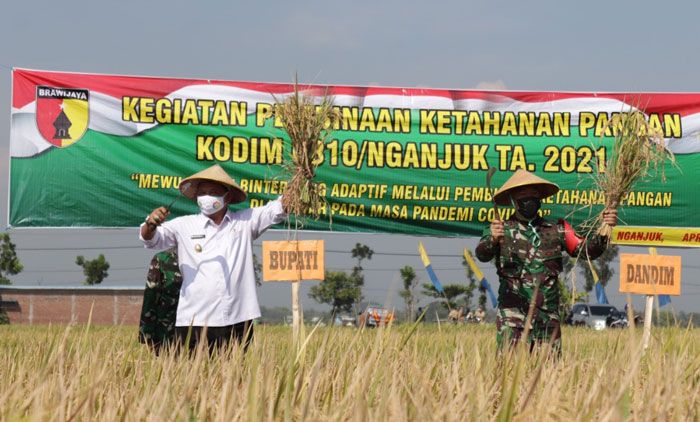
{"x":521,"y":179}
{"x":215,"y":173}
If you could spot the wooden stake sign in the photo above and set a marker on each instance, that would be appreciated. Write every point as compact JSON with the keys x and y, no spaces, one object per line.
{"x":294,"y":261}
{"x":650,"y":275}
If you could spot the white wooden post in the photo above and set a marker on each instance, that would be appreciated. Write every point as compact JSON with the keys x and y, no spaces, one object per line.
{"x":648,"y":309}
{"x":296,"y":312}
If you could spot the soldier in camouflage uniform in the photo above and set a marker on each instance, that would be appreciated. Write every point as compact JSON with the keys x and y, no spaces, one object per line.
{"x":528,"y":253}
{"x":160,"y":298}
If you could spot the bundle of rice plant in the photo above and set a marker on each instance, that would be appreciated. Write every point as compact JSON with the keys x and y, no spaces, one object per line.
{"x":308,"y":120}
{"x":638,"y":153}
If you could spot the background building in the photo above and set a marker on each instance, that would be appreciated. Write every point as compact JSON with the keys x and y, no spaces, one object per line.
{"x":65,"y":305}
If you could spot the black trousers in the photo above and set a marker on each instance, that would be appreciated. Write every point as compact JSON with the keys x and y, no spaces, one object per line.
{"x":215,"y":337}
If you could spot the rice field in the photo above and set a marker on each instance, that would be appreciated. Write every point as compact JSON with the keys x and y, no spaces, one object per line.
{"x":421,"y":372}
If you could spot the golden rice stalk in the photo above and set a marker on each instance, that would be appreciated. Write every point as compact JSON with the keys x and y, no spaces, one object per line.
{"x":638,"y":153}
{"x":308,"y":121}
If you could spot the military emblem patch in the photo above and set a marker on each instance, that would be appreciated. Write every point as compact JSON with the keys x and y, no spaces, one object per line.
{"x":62,"y":114}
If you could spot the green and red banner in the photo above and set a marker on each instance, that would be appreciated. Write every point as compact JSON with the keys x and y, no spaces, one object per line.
{"x":103,"y":150}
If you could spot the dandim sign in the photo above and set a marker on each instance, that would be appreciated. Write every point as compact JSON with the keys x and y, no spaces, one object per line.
{"x":650,"y":274}
{"x":293,"y":260}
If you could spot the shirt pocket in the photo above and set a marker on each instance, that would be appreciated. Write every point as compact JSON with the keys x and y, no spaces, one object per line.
{"x":550,"y":252}
{"x":228,"y":305}
{"x":511,"y":258}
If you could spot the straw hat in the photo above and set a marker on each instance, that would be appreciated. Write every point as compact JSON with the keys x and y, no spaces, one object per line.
{"x":215,"y":173}
{"x":521,"y":179}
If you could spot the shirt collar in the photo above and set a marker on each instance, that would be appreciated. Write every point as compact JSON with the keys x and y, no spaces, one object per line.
{"x":537,"y":221}
{"x":207,"y":221}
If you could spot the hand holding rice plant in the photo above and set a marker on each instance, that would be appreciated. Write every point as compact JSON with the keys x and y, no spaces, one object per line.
{"x":638,"y":153}
{"x":308,"y":125}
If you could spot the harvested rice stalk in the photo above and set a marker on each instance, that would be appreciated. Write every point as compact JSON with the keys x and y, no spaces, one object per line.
{"x":308,"y":125}
{"x":638,"y":153}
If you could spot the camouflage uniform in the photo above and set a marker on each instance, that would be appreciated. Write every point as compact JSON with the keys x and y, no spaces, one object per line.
{"x":531,"y":254}
{"x":160,"y":298}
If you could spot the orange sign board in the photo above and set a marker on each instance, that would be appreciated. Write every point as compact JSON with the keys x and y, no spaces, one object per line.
{"x":650,"y":274}
{"x":293,"y":260}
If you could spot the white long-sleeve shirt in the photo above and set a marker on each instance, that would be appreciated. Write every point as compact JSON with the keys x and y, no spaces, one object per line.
{"x":218,"y":278}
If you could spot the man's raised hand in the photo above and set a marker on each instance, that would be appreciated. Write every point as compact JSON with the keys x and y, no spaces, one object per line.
{"x":497,"y":231}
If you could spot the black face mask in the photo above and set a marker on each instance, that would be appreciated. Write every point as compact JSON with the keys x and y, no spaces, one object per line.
{"x":528,"y":207}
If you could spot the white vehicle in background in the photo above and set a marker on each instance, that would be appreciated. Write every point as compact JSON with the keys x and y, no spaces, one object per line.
{"x":591,"y":315}
{"x":317,"y":321}
{"x":344,"y":320}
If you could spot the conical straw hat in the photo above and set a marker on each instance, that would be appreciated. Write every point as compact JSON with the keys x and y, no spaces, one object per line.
{"x":215,"y":173}
{"x":523,"y":178}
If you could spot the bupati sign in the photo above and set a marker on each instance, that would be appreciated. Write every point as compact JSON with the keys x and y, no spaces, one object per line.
{"x":101,"y":150}
{"x":293,"y":260}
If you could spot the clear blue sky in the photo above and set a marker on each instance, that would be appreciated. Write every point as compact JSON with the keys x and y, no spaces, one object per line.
{"x":572,"y":46}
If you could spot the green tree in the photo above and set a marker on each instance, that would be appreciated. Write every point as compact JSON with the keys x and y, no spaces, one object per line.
{"x":360,"y":252}
{"x":95,"y":270}
{"x":471,"y":285}
{"x":453,"y":294}
{"x":482,"y":297}
{"x":602,"y":267}
{"x":9,"y":263}
{"x":566,"y":300}
{"x":410,"y":281}
{"x":339,"y":290}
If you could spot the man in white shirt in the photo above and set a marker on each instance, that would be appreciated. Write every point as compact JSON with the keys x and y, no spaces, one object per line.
{"x":215,"y":257}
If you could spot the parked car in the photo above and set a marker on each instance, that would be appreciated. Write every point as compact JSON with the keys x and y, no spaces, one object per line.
{"x":592,"y":315}
{"x":617,"y":319}
{"x":317,"y":321}
{"x":374,"y":316}
{"x":344,"y":320}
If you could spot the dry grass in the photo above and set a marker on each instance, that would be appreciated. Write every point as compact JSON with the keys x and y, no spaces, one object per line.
{"x":638,"y":153}
{"x":102,"y":373}
{"x":308,"y":121}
